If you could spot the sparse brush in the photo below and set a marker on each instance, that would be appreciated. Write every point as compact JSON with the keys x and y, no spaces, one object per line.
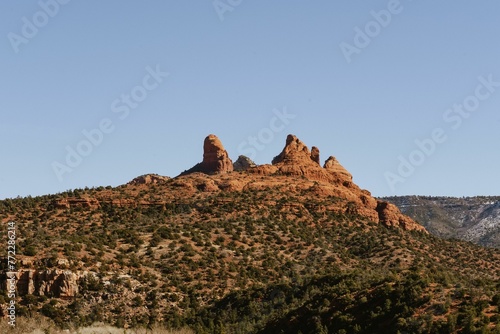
{"x":42,"y":325}
{"x":30,"y":325}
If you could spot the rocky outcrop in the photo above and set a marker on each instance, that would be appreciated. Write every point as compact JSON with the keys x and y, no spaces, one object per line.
{"x":297,"y":160}
{"x":390,"y":216}
{"x":315,"y":154}
{"x":149,"y":179}
{"x":215,"y":158}
{"x":73,"y":202}
{"x":52,"y":283}
{"x":295,"y":151}
{"x":335,"y":168}
{"x":243,"y":163}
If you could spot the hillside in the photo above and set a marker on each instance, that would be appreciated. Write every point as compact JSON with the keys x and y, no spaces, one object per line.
{"x":237,"y":248}
{"x":475,"y":219}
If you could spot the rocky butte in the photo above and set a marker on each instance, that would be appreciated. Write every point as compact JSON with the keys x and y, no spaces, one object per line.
{"x":215,"y":158}
{"x":295,"y":162}
{"x":295,"y":171}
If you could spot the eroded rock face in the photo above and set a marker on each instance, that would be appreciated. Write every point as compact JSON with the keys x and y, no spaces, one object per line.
{"x":56,"y":283}
{"x":315,"y":154}
{"x":243,"y":163}
{"x":297,"y":160}
{"x":149,"y":179}
{"x":333,"y":166}
{"x":215,"y":158}
{"x":390,"y":215}
{"x":295,"y":151}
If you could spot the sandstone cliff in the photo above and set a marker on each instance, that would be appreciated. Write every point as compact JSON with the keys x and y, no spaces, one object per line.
{"x":52,"y":282}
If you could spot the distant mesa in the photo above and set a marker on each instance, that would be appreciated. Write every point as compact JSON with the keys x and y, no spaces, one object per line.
{"x":215,"y":158}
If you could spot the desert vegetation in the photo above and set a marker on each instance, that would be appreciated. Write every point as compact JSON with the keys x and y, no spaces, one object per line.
{"x":224,"y":262}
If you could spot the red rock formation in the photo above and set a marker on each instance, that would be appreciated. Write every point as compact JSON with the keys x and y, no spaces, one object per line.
{"x":315,"y":154}
{"x":297,"y":160}
{"x":390,"y":215}
{"x":295,"y":151}
{"x":215,"y":158}
{"x":149,"y":179}
{"x":336,"y":169}
{"x":57,"y":283}
{"x":73,"y":202}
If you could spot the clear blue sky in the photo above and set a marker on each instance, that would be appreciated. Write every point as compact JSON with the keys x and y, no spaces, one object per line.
{"x":229,"y":71}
